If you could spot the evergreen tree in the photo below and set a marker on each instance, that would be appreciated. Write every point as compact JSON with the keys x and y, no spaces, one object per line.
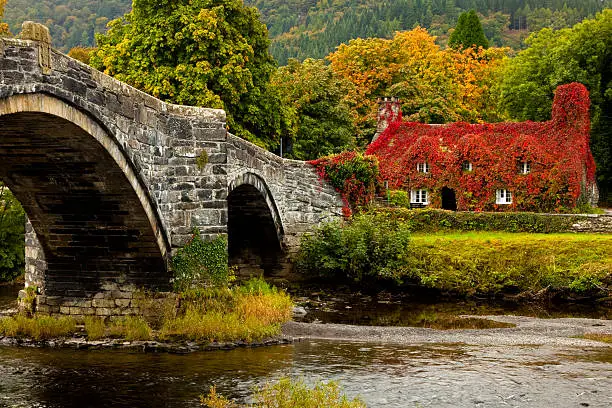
{"x":468,"y":32}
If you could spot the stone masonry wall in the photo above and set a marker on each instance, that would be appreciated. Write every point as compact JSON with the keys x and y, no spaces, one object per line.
{"x":302,"y":199}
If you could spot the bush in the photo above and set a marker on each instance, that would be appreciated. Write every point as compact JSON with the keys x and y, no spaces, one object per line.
{"x":434,"y":220}
{"x":12,"y":241}
{"x":94,"y":327}
{"x":287,"y":393}
{"x":365,"y":248}
{"x":201,"y":263}
{"x":353,"y":175}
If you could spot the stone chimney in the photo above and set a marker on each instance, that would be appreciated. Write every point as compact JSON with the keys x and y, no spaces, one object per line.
{"x":389,"y":110}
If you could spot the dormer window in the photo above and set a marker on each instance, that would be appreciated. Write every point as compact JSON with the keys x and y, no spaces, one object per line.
{"x":423,"y":167}
{"x":503,"y":196}
{"x":467,"y":166}
{"x":524,"y":167}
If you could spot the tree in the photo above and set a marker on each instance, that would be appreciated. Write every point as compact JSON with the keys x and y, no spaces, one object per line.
{"x":12,"y":224}
{"x":580,"y":54}
{"x":468,"y":32}
{"x":4,"y":29}
{"x":211,"y":53}
{"x":321,"y":120}
{"x":436,"y":86}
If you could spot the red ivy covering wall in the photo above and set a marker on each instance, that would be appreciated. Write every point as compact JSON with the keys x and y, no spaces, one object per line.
{"x":562,"y":167}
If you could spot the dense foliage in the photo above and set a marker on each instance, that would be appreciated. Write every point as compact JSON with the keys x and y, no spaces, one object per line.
{"x":583,"y":54}
{"x":309,"y":29}
{"x":434,"y":220}
{"x":353,"y":175}
{"x":211,"y":53}
{"x":435,"y":85}
{"x":313,"y":97}
{"x":468,"y":32}
{"x":364,"y":248}
{"x":71,"y":22}
{"x":12,"y":229}
{"x":201,"y":263}
{"x":561,"y":165}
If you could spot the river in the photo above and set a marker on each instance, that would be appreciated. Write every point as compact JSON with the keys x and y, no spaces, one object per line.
{"x":382,"y":374}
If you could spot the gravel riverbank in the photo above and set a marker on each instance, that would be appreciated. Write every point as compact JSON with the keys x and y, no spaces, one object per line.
{"x":528,"y":331}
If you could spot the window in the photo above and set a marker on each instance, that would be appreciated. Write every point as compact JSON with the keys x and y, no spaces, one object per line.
{"x":524,"y":168}
{"x":423,"y":167}
{"x":467,"y":166}
{"x":418,"y":197}
{"x":503,"y":197}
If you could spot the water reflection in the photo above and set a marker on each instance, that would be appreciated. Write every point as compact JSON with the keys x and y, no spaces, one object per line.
{"x":445,"y":375}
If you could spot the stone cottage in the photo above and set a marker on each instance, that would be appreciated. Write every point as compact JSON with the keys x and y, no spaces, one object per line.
{"x":526,"y":166}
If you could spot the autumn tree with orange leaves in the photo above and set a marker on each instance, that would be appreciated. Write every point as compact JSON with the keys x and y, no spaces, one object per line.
{"x":435,"y":85}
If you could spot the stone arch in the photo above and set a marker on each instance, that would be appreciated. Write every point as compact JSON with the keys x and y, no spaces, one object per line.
{"x":258,"y":182}
{"x":255,"y":230}
{"x":116,"y":233}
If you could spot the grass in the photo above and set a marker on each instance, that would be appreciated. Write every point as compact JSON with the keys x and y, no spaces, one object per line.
{"x":250,"y":312}
{"x":38,"y":327}
{"x":94,"y":327}
{"x":604,"y":337}
{"x":287,"y":393}
{"x":492,"y":262}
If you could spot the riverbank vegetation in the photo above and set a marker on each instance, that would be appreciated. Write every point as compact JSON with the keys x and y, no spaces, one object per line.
{"x":288,"y":393}
{"x":248,"y":312}
{"x":379,"y":249}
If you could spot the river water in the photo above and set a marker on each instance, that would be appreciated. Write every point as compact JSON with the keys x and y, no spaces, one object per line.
{"x":383,"y":375}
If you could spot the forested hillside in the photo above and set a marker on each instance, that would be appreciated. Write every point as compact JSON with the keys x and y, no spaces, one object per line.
{"x":312,"y":29}
{"x":71,"y":22}
{"x":309,"y":28}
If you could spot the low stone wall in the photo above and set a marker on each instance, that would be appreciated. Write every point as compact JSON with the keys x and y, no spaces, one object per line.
{"x":593,"y":223}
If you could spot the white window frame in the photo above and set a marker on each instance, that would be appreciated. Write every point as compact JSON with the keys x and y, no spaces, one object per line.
{"x":423,"y":167}
{"x":503,"y":196}
{"x":525,"y":167}
{"x":420,"y":196}
{"x":467,"y":166}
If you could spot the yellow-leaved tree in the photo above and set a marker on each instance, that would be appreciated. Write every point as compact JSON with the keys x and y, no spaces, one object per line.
{"x":4,"y":29}
{"x":435,"y":85}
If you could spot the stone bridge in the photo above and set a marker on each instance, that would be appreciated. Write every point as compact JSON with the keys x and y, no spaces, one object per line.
{"x":113,"y":180}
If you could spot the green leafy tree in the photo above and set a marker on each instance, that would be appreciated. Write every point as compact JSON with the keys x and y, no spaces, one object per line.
{"x":320,"y":119}
{"x":211,"y":53}
{"x":580,"y":54}
{"x":12,"y":225}
{"x":468,"y":32}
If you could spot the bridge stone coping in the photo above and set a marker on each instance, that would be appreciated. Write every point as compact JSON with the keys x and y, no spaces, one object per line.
{"x":151,"y":148}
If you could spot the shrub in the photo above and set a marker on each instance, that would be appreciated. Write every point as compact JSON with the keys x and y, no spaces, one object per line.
{"x":201,"y":263}
{"x":365,"y":248}
{"x":287,"y":393}
{"x":434,"y":220}
{"x":12,"y":230}
{"x":353,"y":175}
